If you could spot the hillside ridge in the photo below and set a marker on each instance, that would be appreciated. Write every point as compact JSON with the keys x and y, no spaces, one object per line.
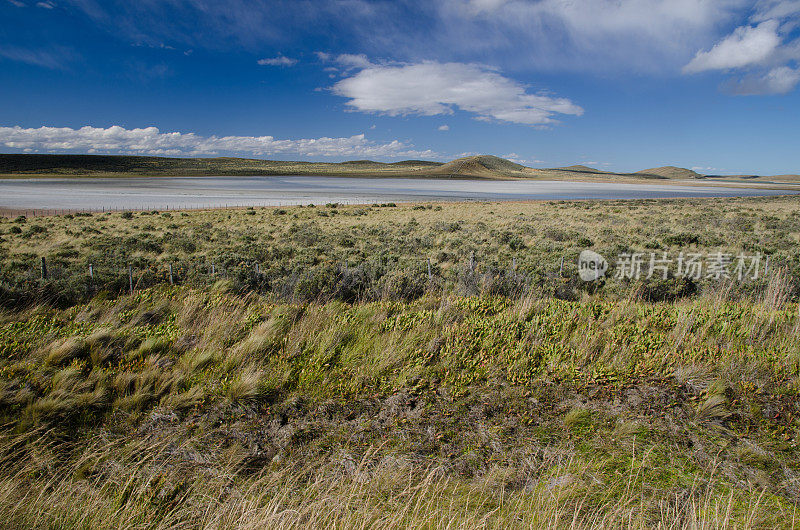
{"x":475,"y":166}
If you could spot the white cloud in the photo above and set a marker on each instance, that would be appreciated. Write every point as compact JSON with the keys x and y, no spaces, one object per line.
{"x":761,"y":56}
{"x":780,"y":80}
{"x":349,"y":60}
{"x":45,"y":5}
{"x":514,"y":157}
{"x":280,"y":60}
{"x":151,"y":141}
{"x":746,"y":46}
{"x":444,"y":127}
{"x":598,"y":35}
{"x":431,"y":88}
{"x":776,"y":9}
{"x":56,"y":58}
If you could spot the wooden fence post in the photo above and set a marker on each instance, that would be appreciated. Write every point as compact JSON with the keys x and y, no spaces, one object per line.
{"x":170,"y":275}
{"x":44,"y":268}
{"x":130,"y":278}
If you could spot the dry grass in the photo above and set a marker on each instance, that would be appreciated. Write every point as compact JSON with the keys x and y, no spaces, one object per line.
{"x":366,"y":253}
{"x":210,"y":405}
{"x":154,"y":485}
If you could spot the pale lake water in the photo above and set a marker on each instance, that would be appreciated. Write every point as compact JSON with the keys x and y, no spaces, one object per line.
{"x":201,"y":192}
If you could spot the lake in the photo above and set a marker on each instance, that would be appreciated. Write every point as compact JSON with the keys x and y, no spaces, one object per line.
{"x":200,"y":192}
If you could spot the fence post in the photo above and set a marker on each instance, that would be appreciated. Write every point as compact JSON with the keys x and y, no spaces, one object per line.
{"x":561,"y":267}
{"x":44,"y":268}
{"x":430,"y":277}
{"x":170,"y":275}
{"x":472,"y":261}
{"x":130,"y":278}
{"x":91,"y":272}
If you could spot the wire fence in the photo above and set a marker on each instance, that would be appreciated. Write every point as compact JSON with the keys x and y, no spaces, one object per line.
{"x":367,"y":280}
{"x":11,"y":212}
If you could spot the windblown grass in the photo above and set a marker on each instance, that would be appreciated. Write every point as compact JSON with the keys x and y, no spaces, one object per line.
{"x":343,"y":387}
{"x":177,"y":408}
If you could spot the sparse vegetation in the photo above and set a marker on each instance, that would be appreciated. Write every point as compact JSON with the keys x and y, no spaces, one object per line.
{"x":341,"y":386}
{"x":354,"y":253}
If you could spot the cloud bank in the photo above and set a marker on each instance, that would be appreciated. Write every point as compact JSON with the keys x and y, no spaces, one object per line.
{"x":151,"y":141}
{"x":430,"y":88}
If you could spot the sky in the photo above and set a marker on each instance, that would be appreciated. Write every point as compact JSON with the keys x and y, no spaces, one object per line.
{"x":620,"y":85}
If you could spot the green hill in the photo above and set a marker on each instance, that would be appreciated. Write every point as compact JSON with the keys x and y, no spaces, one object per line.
{"x":670,"y":172}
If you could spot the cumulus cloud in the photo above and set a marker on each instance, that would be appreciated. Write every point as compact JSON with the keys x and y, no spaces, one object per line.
{"x":762,"y":56}
{"x":444,"y":127}
{"x":151,"y":141}
{"x":280,"y":60}
{"x":744,"y":47}
{"x":430,"y":88}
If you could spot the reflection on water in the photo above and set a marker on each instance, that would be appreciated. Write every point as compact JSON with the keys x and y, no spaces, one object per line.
{"x":195,"y":192}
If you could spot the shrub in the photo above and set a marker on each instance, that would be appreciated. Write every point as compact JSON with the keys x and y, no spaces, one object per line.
{"x":403,"y":284}
{"x":682,"y":239}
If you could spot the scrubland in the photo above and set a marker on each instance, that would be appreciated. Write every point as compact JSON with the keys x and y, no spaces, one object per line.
{"x":340,"y":385}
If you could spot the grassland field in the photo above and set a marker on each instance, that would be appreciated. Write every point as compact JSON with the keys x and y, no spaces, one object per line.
{"x":339,"y":384}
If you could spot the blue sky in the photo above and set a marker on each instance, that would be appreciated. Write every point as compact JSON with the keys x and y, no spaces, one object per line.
{"x":617,"y":84}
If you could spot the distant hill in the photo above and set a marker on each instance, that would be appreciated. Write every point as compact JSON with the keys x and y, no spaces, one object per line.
{"x":486,"y":166}
{"x":670,"y":172}
{"x":580,"y":169}
{"x":110,"y":165}
{"x":416,"y":163}
{"x":480,"y":166}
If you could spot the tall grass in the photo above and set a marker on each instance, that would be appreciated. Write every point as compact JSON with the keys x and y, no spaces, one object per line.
{"x":176,"y":407}
{"x":150,"y":485}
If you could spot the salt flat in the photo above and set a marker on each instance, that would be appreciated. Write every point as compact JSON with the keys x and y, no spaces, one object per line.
{"x":197,"y":192}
